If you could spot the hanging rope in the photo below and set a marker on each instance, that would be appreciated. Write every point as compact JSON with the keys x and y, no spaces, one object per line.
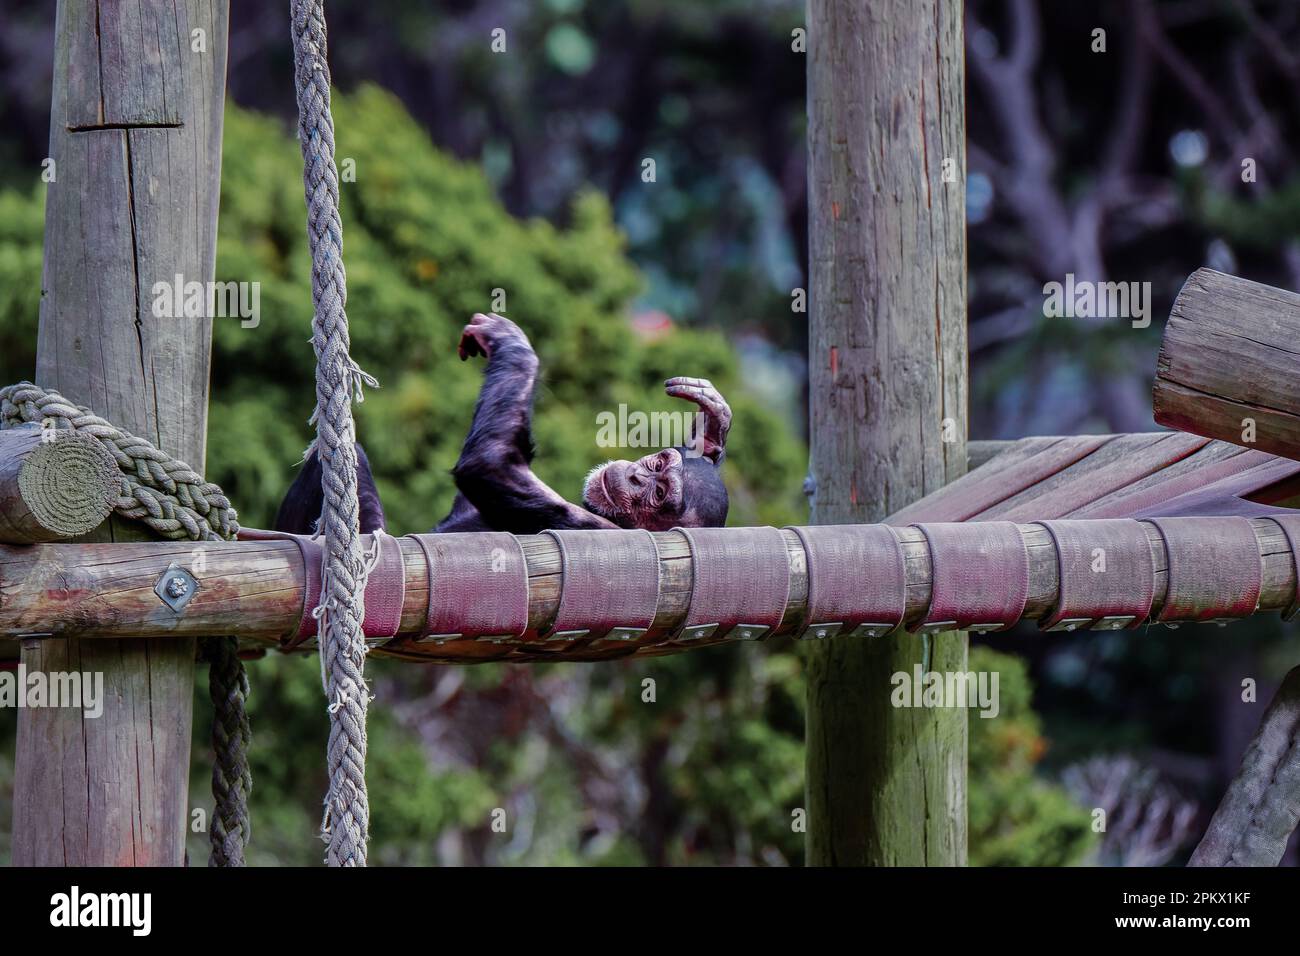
{"x":232,"y":780}
{"x":338,"y":379}
{"x":175,"y":501}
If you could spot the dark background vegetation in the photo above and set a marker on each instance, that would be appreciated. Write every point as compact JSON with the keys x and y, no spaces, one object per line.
{"x":522,"y":171}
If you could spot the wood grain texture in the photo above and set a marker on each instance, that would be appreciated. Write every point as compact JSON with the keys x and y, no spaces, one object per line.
{"x":255,"y":590}
{"x":1230,"y":353}
{"x":887,"y":366}
{"x":135,"y":133}
{"x":982,"y":452}
{"x":53,"y":485}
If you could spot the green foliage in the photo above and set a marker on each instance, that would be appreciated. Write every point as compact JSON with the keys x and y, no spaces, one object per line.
{"x":1258,"y":225}
{"x":1017,"y":819}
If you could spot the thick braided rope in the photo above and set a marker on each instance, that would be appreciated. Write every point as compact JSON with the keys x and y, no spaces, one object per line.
{"x":162,"y":491}
{"x":342,"y":645}
{"x":174,"y":500}
{"x":232,"y":780}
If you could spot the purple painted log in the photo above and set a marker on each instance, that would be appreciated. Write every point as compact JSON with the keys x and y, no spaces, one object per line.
{"x":1214,"y":568}
{"x":980,"y":576}
{"x":478,"y":586}
{"x":740,"y":582}
{"x":611,"y":584}
{"x":385,"y":592}
{"x":1107,"y":578}
{"x":856,"y":580}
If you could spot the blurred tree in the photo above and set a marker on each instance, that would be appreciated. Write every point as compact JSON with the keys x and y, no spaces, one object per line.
{"x":1015,"y":818}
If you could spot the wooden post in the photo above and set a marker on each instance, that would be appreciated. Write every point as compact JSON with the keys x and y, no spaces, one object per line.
{"x":135,"y":135}
{"x":1227,"y":365}
{"x":887,"y":365}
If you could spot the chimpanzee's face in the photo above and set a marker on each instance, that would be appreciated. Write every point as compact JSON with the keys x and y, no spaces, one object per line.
{"x":658,"y":492}
{"x":647,"y":493}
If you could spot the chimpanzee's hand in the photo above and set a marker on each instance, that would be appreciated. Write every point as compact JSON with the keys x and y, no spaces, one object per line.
{"x":486,"y":333}
{"x":717,"y":413}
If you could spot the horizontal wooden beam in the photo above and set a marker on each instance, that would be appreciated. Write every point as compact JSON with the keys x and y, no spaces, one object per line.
{"x":255,"y":591}
{"x":1229,"y":362}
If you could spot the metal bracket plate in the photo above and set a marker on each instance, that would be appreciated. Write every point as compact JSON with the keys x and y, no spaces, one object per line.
{"x":1070,"y":624}
{"x":176,"y":587}
{"x":1115,"y":622}
{"x":696,"y":632}
{"x":623,"y":634}
{"x":819,"y":632}
{"x":438,"y":638}
{"x":872,"y":630}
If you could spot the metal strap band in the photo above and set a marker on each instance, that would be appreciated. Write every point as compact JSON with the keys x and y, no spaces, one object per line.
{"x":478,"y":585}
{"x":740,"y":582}
{"x":855,"y":577}
{"x":385,"y":592}
{"x":979,"y":576}
{"x":1215,"y":570}
{"x":1106,"y":572}
{"x":611,"y":583}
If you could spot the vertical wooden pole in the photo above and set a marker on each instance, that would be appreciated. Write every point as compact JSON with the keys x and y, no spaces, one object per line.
{"x":887,"y":365}
{"x":135,"y":134}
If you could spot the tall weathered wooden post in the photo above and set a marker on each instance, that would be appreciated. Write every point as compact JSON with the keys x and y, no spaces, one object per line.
{"x":135,"y":137}
{"x":887,"y":359}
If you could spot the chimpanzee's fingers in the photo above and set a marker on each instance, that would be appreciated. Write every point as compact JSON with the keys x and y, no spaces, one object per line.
{"x":471,"y":343}
{"x":700,"y":391}
{"x":693,"y":389}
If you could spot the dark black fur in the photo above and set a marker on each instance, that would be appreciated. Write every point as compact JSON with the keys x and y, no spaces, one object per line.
{"x":704,"y":490}
{"x":301,"y":508}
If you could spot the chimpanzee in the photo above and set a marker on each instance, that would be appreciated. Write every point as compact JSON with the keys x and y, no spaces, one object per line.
{"x":498,"y":490}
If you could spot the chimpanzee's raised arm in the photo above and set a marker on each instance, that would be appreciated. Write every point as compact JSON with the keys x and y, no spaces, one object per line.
{"x":494,"y":472}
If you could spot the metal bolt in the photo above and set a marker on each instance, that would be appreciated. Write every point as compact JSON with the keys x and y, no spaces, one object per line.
{"x":176,"y":587}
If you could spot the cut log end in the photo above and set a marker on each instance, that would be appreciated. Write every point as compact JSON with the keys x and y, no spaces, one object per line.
{"x":1228,"y":363}
{"x":52,"y":490}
